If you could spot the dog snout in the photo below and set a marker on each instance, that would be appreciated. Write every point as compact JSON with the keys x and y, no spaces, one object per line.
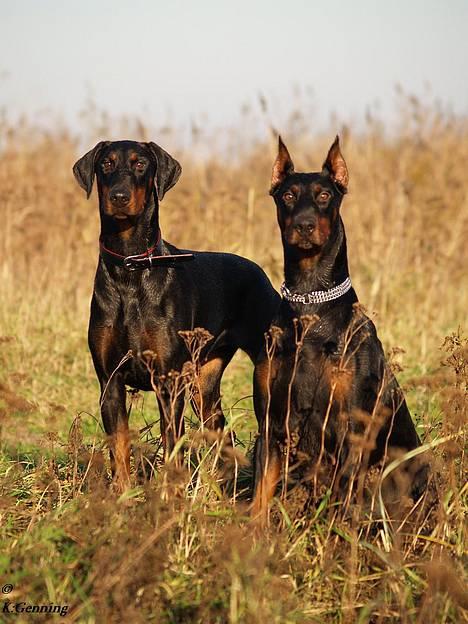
{"x":119,"y":197}
{"x":304,"y":227}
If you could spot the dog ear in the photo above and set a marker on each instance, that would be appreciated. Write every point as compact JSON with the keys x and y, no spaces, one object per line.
{"x":168,"y":170}
{"x":283,"y":166}
{"x":335,"y":166}
{"x":83,"y":169}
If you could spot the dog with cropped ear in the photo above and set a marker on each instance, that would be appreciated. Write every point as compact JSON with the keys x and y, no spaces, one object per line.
{"x":322,"y":388}
{"x":147,"y":291}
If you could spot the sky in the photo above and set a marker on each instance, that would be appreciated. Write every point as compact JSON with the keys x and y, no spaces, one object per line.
{"x":178,"y":60}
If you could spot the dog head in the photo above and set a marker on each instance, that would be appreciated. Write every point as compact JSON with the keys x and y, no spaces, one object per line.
{"x":308,"y":204}
{"x":128,"y":173}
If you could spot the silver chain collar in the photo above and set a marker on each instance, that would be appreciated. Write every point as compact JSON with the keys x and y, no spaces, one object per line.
{"x":317,"y":296}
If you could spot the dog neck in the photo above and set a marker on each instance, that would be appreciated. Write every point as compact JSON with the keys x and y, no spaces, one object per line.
{"x":133,"y":235}
{"x":306,"y":271}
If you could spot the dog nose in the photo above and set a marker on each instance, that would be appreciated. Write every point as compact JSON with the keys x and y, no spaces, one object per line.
{"x":304,"y":227}
{"x":119,"y":197}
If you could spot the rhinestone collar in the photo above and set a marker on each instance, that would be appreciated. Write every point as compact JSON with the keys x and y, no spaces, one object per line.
{"x":317,"y":296}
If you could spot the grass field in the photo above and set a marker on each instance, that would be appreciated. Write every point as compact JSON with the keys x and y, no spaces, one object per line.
{"x":180,"y":548}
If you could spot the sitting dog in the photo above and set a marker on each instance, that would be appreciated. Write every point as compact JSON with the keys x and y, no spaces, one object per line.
{"x":321,"y":385}
{"x":146,"y":291}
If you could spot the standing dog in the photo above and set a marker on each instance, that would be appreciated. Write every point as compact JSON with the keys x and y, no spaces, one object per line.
{"x":323,"y":381}
{"x":146,"y":291}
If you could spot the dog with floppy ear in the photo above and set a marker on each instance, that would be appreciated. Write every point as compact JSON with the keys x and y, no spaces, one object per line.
{"x":321,"y":396}
{"x":146,"y":291}
{"x":168,"y":170}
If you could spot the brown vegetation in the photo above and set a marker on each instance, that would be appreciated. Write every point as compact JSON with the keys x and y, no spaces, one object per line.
{"x":180,"y":548}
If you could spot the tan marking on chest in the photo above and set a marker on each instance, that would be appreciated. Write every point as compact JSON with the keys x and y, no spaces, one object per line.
{"x":339,"y":379}
{"x":104,"y":339}
{"x":265,"y":373}
{"x":156,"y":341}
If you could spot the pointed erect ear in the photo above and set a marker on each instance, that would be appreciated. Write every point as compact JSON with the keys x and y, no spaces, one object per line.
{"x":168,"y":170}
{"x":282,"y":167}
{"x":335,"y":166}
{"x":84,"y":168}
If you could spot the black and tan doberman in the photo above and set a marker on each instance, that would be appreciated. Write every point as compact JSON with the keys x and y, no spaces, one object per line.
{"x":325,"y":381}
{"x":146,"y":291}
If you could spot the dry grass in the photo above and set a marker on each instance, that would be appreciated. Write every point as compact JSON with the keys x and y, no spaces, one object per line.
{"x":179,"y":548}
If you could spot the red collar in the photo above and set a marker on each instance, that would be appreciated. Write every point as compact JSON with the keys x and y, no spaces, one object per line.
{"x":145,"y":254}
{"x":145,"y":260}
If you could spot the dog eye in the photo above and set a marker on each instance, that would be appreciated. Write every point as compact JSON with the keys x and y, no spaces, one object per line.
{"x":288,"y":196}
{"x":140,"y":165}
{"x":324,"y":196}
{"x":106,"y":164}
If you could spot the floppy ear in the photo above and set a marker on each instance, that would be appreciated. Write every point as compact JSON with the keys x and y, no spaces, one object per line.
{"x":168,"y":170}
{"x":282,"y":167}
{"x":335,"y":166}
{"x":83,"y":169}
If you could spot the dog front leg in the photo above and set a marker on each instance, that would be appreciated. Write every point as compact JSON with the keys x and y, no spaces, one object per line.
{"x":171,"y":411}
{"x":267,"y":472}
{"x":115,"y":419}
